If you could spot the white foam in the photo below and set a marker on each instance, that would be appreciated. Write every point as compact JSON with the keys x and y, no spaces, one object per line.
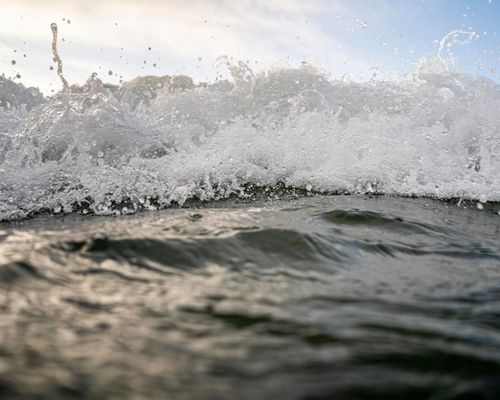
{"x":435,"y":134}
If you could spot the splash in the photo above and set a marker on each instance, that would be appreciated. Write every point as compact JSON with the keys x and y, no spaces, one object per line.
{"x":444,"y":61}
{"x":453,"y":38}
{"x":57,"y":59}
{"x":159,"y":140}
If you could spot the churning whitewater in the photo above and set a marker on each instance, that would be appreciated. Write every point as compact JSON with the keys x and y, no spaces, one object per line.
{"x":161,"y":140}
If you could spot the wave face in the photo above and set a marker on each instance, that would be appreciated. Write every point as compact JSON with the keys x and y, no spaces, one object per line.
{"x":154,"y":141}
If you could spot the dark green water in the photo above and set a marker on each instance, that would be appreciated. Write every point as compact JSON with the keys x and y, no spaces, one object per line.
{"x":321,"y":297}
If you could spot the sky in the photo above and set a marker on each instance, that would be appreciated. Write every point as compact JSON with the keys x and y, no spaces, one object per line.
{"x":122,"y":39}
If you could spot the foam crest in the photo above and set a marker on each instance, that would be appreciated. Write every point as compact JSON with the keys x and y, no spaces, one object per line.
{"x":153,"y":141}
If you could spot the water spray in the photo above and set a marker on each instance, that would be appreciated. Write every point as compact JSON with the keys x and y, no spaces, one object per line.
{"x":56,"y":57}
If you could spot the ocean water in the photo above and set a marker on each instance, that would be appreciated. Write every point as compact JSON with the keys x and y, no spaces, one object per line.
{"x":278,"y":234}
{"x":355,"y":297}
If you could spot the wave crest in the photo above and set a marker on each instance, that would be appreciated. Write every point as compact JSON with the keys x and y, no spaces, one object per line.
{"x":157,"y":140}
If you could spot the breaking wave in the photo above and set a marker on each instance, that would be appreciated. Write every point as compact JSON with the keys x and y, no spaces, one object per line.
{"x":158,"y":140}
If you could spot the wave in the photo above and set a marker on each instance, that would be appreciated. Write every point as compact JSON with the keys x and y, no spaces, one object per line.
{"x":158,"y":140}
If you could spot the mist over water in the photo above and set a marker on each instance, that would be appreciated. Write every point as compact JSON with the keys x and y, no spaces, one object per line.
{"x":158,"y":140}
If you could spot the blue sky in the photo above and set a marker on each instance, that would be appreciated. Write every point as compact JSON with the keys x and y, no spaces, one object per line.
{"x":357,"y":37}
{"x":413,"y":27}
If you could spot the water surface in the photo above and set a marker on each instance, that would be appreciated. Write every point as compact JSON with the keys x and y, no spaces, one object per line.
{"x":355,"y":297}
